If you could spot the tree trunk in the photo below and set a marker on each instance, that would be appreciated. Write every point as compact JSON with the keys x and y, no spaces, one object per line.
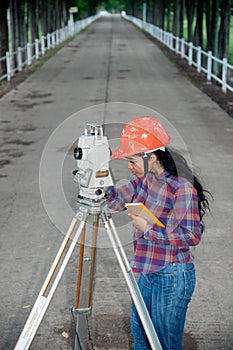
{"x":23,"y":23}
{"x":168,"y":25}
{"x":43,"y":14}
{"x":224,"y":30}
{"x":50,"y":10}
{"x":33,"y":19}
{"x":156,"y":14}
{"x":64,"y":14}
{"x":209,"y":43}
{"x":176,"y":18}
{"x":198,"y":34}
{"x":215,"y":16}
{"x":162,"y":6}
{"x":4,"y":44}
{"x":181,"y":29}
{"x":190,"y":9}
{"x":14,"y":20}
{"x":148,"y":12}
{"x":131,"y":8}
{"x":60,"y":8}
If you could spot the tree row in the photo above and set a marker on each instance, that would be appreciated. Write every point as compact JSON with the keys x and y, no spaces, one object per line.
{"x":207,"y":21}
{"x":22,"y":21}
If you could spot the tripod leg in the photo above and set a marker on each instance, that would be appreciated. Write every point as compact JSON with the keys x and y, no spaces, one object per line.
{"x":93,"y":251}
{"x":80,"y":268}
{"x":58,"y":256}
{"x":92,"y":267}
{"x":132,"y":284}
{"x":42,"y":301}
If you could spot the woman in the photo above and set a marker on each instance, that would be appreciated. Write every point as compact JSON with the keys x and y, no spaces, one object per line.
{"x":167,"y":186}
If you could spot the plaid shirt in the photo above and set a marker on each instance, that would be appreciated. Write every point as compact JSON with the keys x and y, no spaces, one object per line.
{"x":173,"y":200}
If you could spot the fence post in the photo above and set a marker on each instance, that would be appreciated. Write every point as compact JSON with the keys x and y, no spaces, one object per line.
{"x":158,"y":34}
{"x":8,"y":65}
{"x":224,"y":75}
{"x":53,"y":40}
{"x":29,"y":54}
{"x":182,"y":48}
{"x":71,"y":29}
{"x":170,"y":39}
{"x":19,"y":59}
{"x":57,"y":37}
{"x":199,"y":59}
{"x":144,"y":13}
{"x":190,"y":53}
{"x":48,"y":41}
{"x":66,"y":32}
{"x":209,"y":65}
{"x":163,"y":36}
{"x":61,"y":35}
{"x":37,"y":51}
{"x":42,"y":45}
{"x":177,"y":44}
{"x":151,"y":29}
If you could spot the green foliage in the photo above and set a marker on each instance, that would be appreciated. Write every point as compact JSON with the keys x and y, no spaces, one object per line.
{"x":82,"y":8}
{"x":112,"y":6}
{"x":231,"y":42}
{"x":85,"y":8}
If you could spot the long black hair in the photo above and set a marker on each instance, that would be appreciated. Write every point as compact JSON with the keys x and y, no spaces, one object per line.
{"x":177,"y":165}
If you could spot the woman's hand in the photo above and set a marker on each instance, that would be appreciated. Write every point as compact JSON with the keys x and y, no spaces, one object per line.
{"x":138,"y":222}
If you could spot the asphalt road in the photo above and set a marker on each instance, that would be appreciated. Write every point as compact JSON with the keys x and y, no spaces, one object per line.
{"x":109,"y":74}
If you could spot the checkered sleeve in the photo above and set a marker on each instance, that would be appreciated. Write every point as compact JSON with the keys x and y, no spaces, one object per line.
{"x":182,"y":223}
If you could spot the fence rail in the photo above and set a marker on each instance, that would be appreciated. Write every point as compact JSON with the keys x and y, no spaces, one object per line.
{"x":16,"y":61}
{"x":213,"y":67}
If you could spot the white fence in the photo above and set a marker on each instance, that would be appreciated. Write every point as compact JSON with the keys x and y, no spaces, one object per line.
{"x":202,"y":60}
{"x":24,"y":56}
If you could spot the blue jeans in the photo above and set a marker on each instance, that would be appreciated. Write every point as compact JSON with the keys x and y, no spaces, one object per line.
{"x":167,"y":294}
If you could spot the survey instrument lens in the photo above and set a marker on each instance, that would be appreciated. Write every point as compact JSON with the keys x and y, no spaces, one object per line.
{"x":78,"y":153}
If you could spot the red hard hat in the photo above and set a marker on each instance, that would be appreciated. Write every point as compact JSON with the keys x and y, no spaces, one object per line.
{"x":141,"y":135}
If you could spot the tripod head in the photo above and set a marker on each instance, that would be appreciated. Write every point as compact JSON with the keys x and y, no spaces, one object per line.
{"x":93,"y":155}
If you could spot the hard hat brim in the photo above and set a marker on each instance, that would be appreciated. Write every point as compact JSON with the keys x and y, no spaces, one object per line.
{"x":129,"y":148}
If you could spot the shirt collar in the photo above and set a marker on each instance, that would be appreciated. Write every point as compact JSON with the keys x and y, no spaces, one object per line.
{"x":161,"y":177}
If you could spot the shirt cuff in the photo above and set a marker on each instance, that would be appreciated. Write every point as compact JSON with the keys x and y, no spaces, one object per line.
{"x":110,"y":193}
{"x":153,"y":233}
{"x":146,"y":232}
